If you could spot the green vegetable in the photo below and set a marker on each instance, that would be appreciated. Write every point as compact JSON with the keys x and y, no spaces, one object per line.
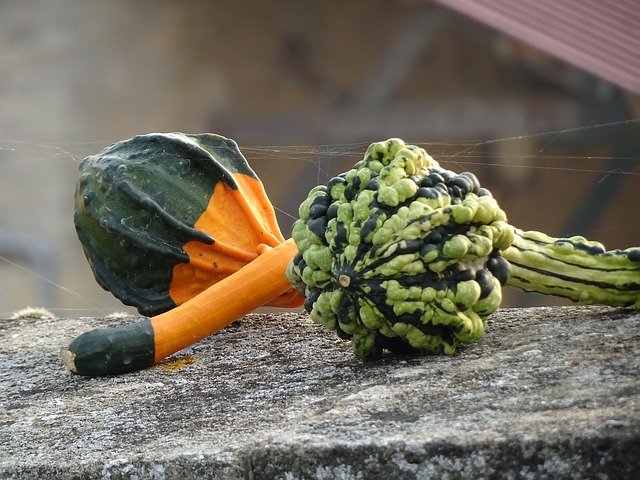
{"x":161,"y":217}
{"x":401,"y":254}
{"x":575,"y":268}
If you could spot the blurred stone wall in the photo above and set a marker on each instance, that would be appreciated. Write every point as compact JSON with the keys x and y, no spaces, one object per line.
{"x":76,"y":76}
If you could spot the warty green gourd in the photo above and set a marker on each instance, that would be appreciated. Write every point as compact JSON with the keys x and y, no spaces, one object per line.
{"x":399,"y":253}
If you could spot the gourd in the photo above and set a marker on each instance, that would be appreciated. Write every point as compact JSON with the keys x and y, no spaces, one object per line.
{"x":401,"y":254}
{"x":396,"y":254}
{"x":161,"y":217}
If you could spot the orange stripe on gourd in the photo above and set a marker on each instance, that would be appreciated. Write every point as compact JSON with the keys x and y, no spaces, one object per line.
{"x":243,"y":224}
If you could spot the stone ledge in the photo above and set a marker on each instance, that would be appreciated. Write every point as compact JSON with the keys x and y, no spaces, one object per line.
{"x":548,"y":393}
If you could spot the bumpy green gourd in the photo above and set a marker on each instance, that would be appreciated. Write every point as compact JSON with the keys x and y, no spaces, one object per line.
{"x":401,"y":254}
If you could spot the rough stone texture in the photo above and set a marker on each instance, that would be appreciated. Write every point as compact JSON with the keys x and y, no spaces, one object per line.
{"x":548,"y":393}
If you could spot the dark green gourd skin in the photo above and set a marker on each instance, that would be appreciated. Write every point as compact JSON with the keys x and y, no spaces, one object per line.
{"x":401,"y":254}
{"x":137,"y":202}
{"x":112,"y":351}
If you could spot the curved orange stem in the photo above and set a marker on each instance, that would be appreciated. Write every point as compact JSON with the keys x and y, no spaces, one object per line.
{"x":219,"y":305}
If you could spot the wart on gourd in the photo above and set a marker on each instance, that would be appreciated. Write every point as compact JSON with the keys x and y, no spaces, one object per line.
{"x":396,"y":254}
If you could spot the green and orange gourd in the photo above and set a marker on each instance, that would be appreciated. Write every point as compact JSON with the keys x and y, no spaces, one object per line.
{"x":396,"y":254}
{"x":162,"y":218}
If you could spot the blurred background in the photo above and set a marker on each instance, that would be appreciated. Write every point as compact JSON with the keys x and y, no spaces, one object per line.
{"x":304,"y":87}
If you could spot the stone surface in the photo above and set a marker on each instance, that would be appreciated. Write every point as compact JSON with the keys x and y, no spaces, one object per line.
{"x":548,"y":393}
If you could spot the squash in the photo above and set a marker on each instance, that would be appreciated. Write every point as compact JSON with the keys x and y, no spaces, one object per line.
{"x":161,"y":217}
{"x":396,"y":254}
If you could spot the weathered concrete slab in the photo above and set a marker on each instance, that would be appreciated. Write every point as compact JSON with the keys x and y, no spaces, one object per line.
{"x":549,"y":393}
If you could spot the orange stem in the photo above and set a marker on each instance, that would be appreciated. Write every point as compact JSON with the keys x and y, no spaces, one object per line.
{"x":252,"y":286}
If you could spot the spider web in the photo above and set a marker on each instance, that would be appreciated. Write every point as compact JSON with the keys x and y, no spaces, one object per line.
{"x":484,"y":157}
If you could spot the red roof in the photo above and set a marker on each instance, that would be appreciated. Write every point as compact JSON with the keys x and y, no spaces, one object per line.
{"x":599,"y":36}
